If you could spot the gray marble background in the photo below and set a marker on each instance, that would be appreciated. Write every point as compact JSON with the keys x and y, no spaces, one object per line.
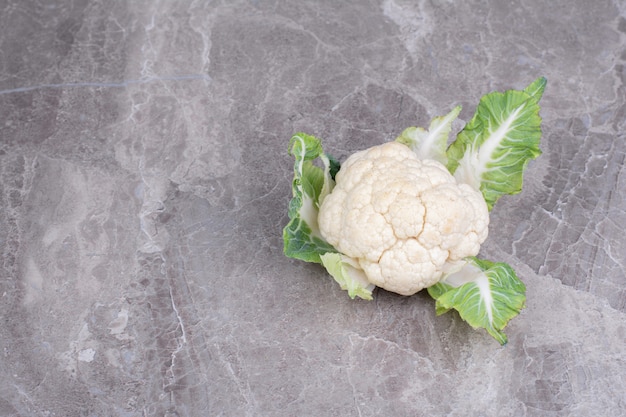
{"x":144,"y":182}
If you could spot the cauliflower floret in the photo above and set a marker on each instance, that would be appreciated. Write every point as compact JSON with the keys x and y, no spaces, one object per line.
{"x":403,"y":219}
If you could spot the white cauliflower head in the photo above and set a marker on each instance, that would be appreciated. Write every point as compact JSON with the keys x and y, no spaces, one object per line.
{"x":404,"y":220}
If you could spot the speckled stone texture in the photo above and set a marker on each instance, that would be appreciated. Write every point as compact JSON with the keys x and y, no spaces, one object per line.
{"x":144,"y":182}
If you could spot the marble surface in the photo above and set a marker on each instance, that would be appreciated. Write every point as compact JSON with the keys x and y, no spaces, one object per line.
{"x":144,"y":180}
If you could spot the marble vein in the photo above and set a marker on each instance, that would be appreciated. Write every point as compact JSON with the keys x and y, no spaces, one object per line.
{"x":119,"y":84}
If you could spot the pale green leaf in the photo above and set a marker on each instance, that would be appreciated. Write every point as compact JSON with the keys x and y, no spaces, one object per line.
{"x":348,"y":275}
{"x":431,"y":143}
{"x":301,"y":237}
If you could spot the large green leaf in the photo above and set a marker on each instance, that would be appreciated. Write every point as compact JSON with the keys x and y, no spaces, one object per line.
{"x":301,"y":237}
{"x":493,"y":150}
{"x":486,"y":295}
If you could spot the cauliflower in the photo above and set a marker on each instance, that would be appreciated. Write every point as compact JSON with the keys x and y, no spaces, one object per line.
{"x":412,"y":214}
{"x":403,"y":219}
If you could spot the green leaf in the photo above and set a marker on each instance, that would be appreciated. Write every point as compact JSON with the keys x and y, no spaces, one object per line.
{"x":486,"y":295}
{"x":333,"y":166}
{"x":311,"y":184}
{"x":348,"y":275}
{"x":536,"y":88}
{"x":431,"y":143}
{"x":493,"y":150}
